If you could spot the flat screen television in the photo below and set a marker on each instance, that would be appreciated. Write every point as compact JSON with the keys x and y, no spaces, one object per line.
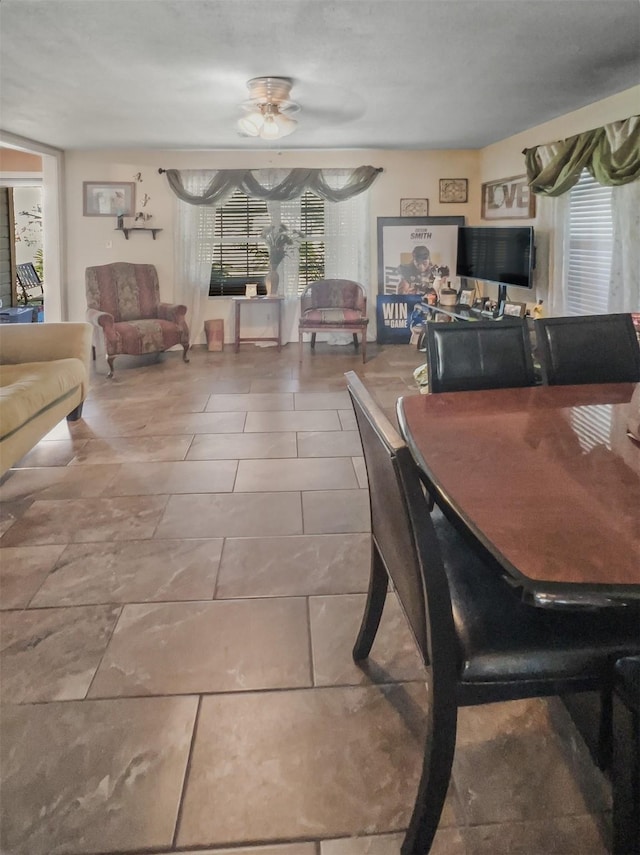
{"x":503,"y":256}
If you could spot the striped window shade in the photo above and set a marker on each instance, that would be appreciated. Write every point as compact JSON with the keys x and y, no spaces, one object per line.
{"x":589,"y":247}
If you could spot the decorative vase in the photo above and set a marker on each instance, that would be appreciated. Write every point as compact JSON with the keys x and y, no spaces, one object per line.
{"x":271,"y":281}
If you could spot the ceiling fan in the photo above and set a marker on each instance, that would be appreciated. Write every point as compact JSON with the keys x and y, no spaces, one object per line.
{"x":268,"y":109}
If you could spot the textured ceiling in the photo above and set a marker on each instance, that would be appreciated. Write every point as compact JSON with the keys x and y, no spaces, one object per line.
{"x":403,"y":74}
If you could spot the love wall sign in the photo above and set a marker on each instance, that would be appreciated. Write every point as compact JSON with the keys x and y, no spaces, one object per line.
{"x":508,"y":199}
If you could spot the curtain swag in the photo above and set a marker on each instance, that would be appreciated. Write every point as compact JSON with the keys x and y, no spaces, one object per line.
{"x":224,"y":182}
{"x":610,"y":153}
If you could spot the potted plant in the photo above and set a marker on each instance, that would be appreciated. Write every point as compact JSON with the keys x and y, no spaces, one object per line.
{"x":279,"y":241}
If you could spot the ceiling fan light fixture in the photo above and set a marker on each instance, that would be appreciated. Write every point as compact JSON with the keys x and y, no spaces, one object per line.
{"x":270,"y":129}
{"x":267,"y":109}
{"x":252,"y":124}
{"x":286,"y":125}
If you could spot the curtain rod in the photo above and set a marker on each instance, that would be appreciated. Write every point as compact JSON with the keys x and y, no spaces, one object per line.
{"x":161,"y":170}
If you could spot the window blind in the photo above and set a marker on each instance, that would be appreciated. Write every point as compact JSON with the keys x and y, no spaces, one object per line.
{"x":239,"y":256}
{"x":312,"y":252}
{"x":589,"y":250}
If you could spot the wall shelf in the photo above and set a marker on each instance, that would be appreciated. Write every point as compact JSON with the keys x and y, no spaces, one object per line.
{"x":127,"y":231}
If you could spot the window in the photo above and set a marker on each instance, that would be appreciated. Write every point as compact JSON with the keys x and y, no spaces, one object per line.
{"x":239,"y":256}
{"x":312,"y":252}
{"x":589,"y":247}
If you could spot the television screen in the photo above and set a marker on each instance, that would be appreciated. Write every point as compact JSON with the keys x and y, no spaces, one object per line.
{"x":504,"y":256}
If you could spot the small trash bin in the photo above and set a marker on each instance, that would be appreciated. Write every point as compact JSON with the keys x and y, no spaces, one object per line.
{"x":214,"y":331}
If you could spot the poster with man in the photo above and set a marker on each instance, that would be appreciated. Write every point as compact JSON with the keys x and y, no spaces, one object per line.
{"x":416,"y":257}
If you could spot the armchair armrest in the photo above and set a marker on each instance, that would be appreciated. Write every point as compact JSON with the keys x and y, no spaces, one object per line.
{"x":45,"y":342}
{"x":172,"y":312}
{"x":99,"y":318}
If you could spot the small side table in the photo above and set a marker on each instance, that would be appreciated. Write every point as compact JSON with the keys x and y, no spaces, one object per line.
{"x":259,"y":301}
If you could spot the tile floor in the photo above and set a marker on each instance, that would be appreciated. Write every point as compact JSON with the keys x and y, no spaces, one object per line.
{"x":183,"y":574}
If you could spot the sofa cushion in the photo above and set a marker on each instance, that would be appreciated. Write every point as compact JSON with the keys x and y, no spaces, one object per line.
{"x":28,"y":389}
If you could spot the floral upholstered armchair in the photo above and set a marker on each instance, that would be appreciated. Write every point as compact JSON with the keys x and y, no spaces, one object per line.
{"x":124,"y":307}
{"x":336,"y":305}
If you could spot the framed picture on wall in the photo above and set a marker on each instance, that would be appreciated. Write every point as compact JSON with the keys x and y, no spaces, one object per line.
{"x":108,"y":198}
{"x":454,"y":189}
{"x":508,"y":199}
{"x":414,"y":207}
{"x":414,"y":251}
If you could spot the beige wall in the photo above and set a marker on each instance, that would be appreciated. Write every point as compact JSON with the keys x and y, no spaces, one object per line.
{"x":505,"y":158}
{"x":406,"y":174}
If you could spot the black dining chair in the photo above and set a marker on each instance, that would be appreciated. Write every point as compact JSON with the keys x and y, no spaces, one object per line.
{"x":626,"y":756}
{"x":479,"y":642}
{"x":588,"y":349}
{"x":467,"y":356}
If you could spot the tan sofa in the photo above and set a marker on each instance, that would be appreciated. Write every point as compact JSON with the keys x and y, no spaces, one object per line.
{"x":44,"y":376}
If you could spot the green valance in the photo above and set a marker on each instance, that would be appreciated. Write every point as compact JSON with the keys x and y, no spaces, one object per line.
{"x":610,"y":153}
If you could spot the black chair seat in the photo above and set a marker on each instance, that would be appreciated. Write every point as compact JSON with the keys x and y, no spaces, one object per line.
{"x":504,"y":640}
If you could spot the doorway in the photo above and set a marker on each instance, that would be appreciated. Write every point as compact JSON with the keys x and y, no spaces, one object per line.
{"x":26,"y":163}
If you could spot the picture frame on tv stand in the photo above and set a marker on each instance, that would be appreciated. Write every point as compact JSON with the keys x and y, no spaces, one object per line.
{"x":466,"y":296}
{"x":514,"y":310}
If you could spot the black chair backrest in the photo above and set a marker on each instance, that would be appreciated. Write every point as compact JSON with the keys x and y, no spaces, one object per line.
{"x":403,"y":533}
{"x":588,"y":349}
{"x":484,"y":355}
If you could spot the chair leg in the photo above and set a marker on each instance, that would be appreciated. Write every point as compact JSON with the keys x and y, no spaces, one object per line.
{"x":364,"y":346}
{"x":93,"y":352}
{"x":313,"y":341}
{"x":185,"y":355}
{"x":378,"y":584}
{"x":110,"y":361}
{"x":356,"y":343}
{"x":300,"y":347}
{"x":439,"y":748}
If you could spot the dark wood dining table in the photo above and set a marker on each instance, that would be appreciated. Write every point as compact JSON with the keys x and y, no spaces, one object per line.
{"x":545,"y":478}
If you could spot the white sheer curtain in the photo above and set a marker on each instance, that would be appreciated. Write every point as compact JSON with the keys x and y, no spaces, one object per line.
{"x":552,"y":229}
{"x":346,"y":249}
{"x":552,"y":238}
{"x":193,"y":254}
{"x":624,"y":294}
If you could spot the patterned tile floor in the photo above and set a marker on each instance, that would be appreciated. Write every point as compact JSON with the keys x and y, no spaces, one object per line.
{"x":182,"y":577}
